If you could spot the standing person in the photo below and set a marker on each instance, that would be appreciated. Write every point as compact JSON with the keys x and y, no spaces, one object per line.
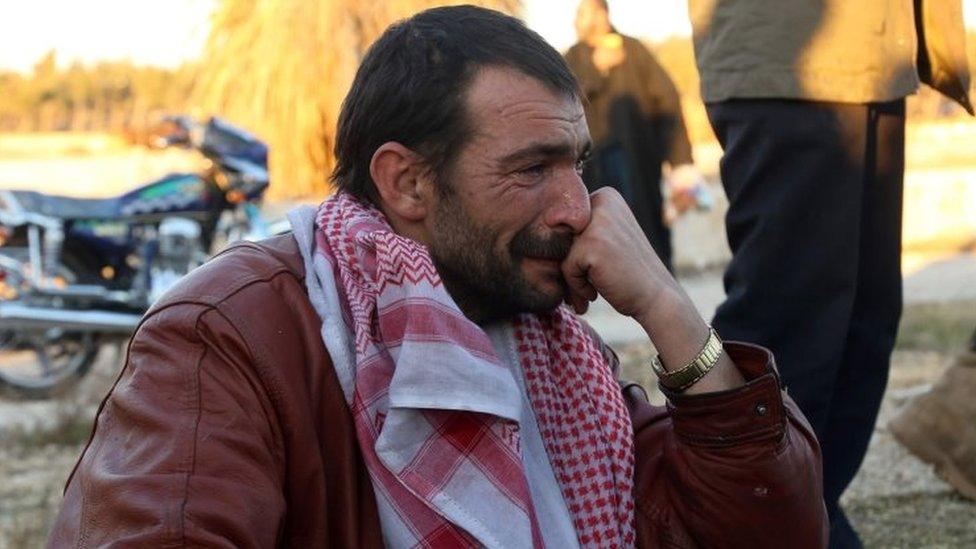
{"x":807,"y":101}
{"x":635,"y":119}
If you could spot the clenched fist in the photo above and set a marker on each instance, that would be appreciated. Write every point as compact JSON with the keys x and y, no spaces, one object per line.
{"x":612,"y":258}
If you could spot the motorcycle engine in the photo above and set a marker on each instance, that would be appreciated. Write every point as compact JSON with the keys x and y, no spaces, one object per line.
{"x":180,"y":251}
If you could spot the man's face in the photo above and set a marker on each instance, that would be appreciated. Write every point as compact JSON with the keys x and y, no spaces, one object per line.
{"x":515,"y":198}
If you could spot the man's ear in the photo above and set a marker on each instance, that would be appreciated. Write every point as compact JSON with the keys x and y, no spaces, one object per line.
{"x":402,"y":181}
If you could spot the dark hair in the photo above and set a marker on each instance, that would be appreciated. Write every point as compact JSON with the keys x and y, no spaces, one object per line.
{"x":411,"y":83}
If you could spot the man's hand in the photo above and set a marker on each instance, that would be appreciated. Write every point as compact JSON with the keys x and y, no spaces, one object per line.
{"x":613,"y":258}
{"x":683,"y":184}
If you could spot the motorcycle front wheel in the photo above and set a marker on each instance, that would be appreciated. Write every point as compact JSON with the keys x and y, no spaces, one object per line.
{"x":42,"y":364}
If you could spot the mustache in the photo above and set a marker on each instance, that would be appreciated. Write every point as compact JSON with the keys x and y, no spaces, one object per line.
{"x":555,"y":247}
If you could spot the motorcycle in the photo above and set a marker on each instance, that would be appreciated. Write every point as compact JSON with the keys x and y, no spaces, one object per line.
{"x":78,"y":273}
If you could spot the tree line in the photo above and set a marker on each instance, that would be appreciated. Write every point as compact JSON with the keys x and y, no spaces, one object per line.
{"x":106,"y":96}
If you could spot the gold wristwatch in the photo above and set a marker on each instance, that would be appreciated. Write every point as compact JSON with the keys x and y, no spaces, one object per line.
{"x":686,"y":376}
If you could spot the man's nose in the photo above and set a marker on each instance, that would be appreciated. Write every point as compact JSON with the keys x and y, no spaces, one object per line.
{"x":570,"y":204}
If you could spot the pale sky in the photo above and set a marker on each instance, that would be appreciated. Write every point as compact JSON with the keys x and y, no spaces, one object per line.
{"x":167,"y":32}
{"x":156,"y":32}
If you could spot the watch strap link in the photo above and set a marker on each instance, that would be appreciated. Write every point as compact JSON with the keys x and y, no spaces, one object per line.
{"x":686,"y":376}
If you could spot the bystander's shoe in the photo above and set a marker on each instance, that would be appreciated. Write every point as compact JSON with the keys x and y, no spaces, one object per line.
{"x":939,"y":427}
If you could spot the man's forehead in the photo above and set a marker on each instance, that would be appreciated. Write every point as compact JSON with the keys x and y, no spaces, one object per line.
{"x":496,"y":91}
{"x":507,"y":100}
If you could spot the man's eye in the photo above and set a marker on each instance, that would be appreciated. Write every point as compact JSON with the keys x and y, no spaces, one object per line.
{"x":534,"y":170}
{"x":581,"y":165}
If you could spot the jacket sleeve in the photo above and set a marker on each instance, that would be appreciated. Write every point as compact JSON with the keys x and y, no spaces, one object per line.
{"x":740,"y":468}
{"x":185,"y":449}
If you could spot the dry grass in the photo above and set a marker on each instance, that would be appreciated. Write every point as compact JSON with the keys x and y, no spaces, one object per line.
{"x":915,"y":520}
{"x":70,"y":426}
{"x":941,"y":327}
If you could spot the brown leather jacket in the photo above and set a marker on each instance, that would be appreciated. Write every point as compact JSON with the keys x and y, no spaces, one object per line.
{"x":228,"y":427}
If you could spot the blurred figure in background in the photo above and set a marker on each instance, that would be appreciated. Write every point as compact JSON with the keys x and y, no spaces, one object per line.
{"x":634,"y":115}
{"x":807,"y":101}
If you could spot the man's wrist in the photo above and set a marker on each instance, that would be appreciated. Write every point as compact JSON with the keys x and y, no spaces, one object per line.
{"x":687,"y":375}
{"x":675,"y":327}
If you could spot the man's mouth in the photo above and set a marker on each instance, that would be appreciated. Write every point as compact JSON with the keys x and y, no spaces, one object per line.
{"x":549,"y":261}
{"x":554,"y":248}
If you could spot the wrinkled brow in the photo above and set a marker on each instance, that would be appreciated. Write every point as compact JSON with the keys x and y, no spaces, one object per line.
{"x":541,"y":151}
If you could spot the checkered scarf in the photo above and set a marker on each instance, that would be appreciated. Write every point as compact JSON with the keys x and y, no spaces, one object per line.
{"x":441,"y":469}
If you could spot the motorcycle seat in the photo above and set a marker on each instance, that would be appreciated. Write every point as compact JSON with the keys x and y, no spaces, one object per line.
{"x":68,"y":208}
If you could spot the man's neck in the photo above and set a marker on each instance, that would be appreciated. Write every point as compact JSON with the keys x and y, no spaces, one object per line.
{"x":402,"y":227}
{"x":474,"y":309}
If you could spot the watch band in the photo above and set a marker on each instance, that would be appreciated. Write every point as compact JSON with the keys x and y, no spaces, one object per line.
{"x":687,"y":375}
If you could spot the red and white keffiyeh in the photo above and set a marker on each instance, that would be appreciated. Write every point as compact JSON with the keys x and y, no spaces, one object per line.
{"x":455,"y":477}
